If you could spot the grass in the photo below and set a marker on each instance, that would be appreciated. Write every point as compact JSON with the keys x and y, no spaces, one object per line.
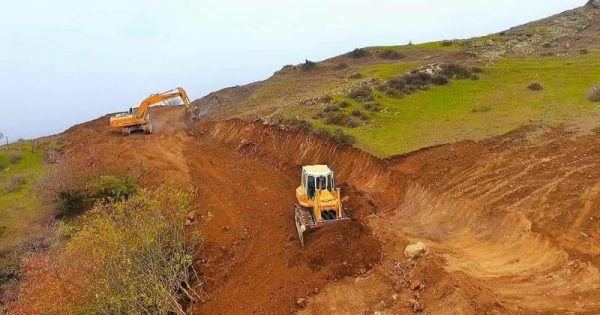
{"x":20,"y":208}
{"x":387,"y":71}
{"x":455,"y":112}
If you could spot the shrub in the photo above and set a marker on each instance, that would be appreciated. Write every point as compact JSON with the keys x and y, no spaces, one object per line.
{"x":474,"y":77}
{"x":337,"y":136}
{"x":15,"y":156}
{"x":447,"y":43}
{"x":342,"y":119}
{"x":397,"y":83}
{"x":373,"y":107}
{"x":390,"y":54}
{"x":476,"y":70}
{"x":129,"y":257}
{"x":363,"y":93}
{"x":343,"y":104}
{"x":358,"y":53}
{"x":341,"y":66}
{"x":113,"y":187}
{"x":15,"y":182}
{"x":439,"y":79}
{"x":309,"y":65}
{"x":325,"y":99}
{"x":359,"y":114}
{"x":481,"y":109}
{"x":331,"y":108}
{"x":535,"y":87}
{"x":584,"y":51}
{"x":354,"y":76}
{"x":594,"y":94}
{"x":72,"y":202}
{"x":455,"y":71}
{"x":299,"y":125}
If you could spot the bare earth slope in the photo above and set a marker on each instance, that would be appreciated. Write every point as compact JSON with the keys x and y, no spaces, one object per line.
{"x":511,"y":222}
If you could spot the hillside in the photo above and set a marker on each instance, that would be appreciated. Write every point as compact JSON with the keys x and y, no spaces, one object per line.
{"x":561,"y":53}
{"x":446,"y":143}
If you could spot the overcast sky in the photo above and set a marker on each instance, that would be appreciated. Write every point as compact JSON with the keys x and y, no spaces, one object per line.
{"x":68,"y":61}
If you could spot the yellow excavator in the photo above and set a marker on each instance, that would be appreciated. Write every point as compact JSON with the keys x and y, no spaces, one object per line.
{"x":319,"y":201}
{"x":138,"y":119}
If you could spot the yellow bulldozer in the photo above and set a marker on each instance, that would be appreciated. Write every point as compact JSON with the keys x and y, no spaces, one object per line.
{"x":138,"y":119}
{"x":319,"y":201}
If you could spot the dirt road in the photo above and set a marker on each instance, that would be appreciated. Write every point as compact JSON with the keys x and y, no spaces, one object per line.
{"x":511,"y":223}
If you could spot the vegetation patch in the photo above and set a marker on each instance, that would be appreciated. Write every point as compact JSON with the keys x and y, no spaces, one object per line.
{"x":141,"y":264}
{"x":358,"y":53}
{"x":390,"y":54}
{"x":361,"y":94}
{"x":308,"y":65}
{"x":535,"y":87}
{"x":338,"y":136}
{"x":594,"y":94}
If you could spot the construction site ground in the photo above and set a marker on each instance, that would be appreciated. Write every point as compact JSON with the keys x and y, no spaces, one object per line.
{"x":510,"y":223}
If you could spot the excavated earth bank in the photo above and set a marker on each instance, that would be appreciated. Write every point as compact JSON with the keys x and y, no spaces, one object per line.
{"x":510,"y":223}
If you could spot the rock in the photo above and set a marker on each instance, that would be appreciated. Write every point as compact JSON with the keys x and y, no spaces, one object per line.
{"x":301,"y":302}
{"x":191,"y":218}
{"x":415,"y":305}
{"x":415,"y":250}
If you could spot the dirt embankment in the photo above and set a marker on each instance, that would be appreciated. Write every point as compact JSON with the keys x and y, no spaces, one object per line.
{"x":510,"y":222}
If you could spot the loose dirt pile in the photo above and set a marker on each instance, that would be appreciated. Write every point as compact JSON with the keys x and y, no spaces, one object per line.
{"x":510,"y":223}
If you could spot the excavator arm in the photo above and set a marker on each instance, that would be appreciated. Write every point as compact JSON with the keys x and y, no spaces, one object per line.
{"x":161,"y":97}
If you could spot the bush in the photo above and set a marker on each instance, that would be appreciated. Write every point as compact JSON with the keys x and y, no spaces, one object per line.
{"x":447,"y":43}
{"x":128,"y":257}
{"x":331,"y":108}
{"x":342,"y":119}
{"x":439,"y":79}
{"x":358,"y":53}
{"x":481,"y":109}
{"x":476,"y":70}
{"x":359,"y":114}
{"x":354,"y":76}
{"x":299,"y":124}
{"x":341,"y":66}
{"x":15,"y":156}
{"x":373,"y":107}
{"x":390,"y":54}
{"x":363,"y":93}
{"x":15,"y":182}
{"x":337,"y":136}
{"x":343,"y":104}
{"x":308,"y":65}
{"x":113,"y":187}
{"x":455,"y":71}
{"x":535,"y":87}
{"x":594,"y":94}
{"x":584,"y":51}
{"x":72,"y":202}
{"x":325,"y":99}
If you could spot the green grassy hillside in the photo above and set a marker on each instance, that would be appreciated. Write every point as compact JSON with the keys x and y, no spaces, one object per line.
{"x":561,"y":53}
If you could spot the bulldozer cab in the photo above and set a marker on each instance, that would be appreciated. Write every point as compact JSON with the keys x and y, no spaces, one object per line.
{"x":317,"y":177}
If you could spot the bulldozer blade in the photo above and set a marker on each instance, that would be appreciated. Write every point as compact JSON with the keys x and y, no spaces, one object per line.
{"x":300,"y":225}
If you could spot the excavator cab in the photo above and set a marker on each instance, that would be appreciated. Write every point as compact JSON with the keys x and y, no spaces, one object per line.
{"x":318,"y":198}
